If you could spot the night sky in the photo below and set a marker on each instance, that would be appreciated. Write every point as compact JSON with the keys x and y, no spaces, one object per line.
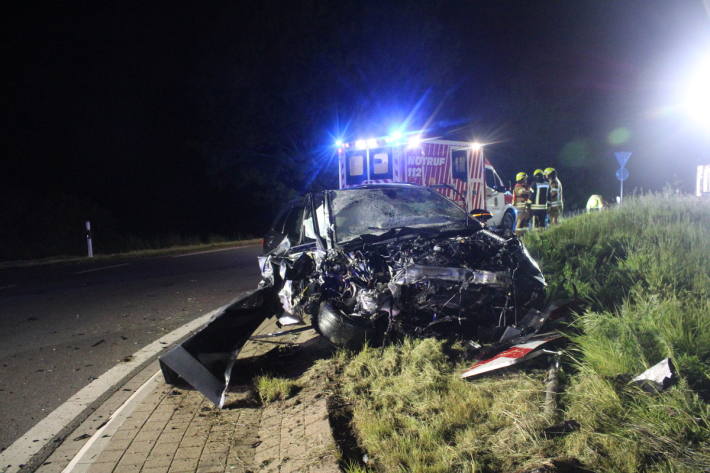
{"x":156,"y":119}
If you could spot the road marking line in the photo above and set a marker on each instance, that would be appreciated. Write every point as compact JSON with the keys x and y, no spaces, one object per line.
{"x":46,"y":430}
{"x":113,"y":418}
{"x":213,"y":251}
{"x":9,"y":286}
{"x":102,"y":268}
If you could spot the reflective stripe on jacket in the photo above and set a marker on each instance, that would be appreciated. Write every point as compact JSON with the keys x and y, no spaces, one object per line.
{"x":556,"y":199}
{"x":521,"y":196}
{"x":541,"y":192}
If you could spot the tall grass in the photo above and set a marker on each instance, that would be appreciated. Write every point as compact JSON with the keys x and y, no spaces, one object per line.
{"x":645,"y":270}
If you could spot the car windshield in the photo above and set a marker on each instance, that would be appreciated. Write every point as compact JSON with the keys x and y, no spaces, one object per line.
{"x":378,"y":210}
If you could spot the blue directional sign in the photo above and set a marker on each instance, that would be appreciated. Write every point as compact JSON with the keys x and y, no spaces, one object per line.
{"x":622,"y":157}
{"x":622,"y":174}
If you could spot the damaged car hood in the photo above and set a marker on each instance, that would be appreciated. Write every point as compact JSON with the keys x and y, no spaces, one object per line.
{"x":402,"y":261}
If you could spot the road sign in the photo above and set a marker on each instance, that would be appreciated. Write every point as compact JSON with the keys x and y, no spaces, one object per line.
{"x":622,"y":174}
{"x":622,"y":157}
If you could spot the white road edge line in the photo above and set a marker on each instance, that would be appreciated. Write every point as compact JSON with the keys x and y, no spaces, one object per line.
{"x":213,"y":251}
{"x":102,"y":268}
{"x":23,"y":449}
{"x":9,"y":286}
{"x":116,"y":416}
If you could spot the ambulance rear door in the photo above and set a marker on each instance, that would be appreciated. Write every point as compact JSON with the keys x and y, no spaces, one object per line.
{"x":475,"y":195}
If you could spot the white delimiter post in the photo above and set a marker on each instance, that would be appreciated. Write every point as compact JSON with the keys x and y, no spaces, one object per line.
{"x":89,"y":244}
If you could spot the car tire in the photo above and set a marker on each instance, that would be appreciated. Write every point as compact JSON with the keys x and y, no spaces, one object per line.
{"x":339,"y":329}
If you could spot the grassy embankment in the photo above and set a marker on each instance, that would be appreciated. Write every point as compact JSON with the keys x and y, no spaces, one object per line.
{"x":645,"y":270}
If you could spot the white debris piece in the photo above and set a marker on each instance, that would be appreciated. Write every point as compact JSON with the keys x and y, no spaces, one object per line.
{"x":658,"y":377}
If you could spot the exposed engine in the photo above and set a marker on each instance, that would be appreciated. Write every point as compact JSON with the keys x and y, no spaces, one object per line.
{"x":471,"y":285}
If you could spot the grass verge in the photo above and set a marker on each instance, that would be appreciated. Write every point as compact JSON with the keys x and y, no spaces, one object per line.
{"x":645,"y":270}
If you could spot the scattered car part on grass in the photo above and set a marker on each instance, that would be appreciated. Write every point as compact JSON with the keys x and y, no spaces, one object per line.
{"x":525,"y":350}
{"x":658,"y":377}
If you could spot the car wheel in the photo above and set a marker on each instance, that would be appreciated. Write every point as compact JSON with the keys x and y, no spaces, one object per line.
{"x":339,"y":329}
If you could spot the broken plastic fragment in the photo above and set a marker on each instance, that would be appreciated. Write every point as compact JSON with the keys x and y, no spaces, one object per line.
{"x":289,"y":319}
{"x":267,"y":271}
{"x":658,"y":377}
{"x":534,"y":319}
{"x":290,"y":296}
{"x":512,"y":356}
{"x":510,"y":333}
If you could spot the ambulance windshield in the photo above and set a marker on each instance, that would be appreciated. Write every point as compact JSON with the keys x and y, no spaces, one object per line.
{"x":375,"y":211}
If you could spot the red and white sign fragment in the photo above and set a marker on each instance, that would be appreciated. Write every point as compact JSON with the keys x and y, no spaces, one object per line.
{"x":512,"y":356}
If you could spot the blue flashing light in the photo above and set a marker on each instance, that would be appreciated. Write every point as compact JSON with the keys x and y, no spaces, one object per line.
{"x":372,"y":143}
{"x":414,"y":141}
{"x":360,"y":144}
{"x":339,"y":143}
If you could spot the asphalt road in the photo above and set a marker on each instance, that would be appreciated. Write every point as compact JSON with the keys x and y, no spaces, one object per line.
{"x":63,"y":325}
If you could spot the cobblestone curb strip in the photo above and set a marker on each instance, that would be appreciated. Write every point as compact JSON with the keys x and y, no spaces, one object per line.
{"x":168,"y":430}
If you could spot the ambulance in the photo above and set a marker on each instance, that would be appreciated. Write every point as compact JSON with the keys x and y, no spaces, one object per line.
{"x":457,"y":169}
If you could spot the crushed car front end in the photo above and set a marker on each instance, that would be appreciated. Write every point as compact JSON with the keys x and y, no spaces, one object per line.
{"x":402,"y":260}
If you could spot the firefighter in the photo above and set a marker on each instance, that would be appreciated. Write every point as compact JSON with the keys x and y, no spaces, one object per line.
{"x":556,"y":201}
{"x":540,"y":196}
{"x":595,"y":203}
{"x":521,"y":201}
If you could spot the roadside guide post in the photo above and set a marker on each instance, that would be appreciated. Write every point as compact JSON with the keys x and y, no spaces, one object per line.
{"x":89,"y":244}
{"x":622,"y":173}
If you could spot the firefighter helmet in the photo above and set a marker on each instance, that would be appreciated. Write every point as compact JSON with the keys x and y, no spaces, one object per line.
{"x":521,"y":176}
{"x":548,"y":171}
{"x":537,"y":171}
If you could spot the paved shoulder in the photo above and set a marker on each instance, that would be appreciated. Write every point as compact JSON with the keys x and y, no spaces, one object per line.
{"x":162,"y":429}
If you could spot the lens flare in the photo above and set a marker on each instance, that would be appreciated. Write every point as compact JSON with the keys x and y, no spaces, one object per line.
{"x":697,"y":94}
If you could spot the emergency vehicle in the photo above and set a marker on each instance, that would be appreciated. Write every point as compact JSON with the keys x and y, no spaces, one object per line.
{"x":457,"y":169}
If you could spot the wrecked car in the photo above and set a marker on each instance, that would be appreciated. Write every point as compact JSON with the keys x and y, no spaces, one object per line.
{"x":386,"y":260}
{"x":375,"y":263}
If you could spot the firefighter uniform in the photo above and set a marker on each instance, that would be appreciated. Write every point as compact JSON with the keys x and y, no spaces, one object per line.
{"x":540,"y":196}
{"x":595,"y":203}
{"x":556,"y":200}
{"x":521,"y":201}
